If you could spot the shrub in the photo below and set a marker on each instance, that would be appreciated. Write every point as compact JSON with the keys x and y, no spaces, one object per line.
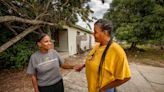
{"x":18,"y":55}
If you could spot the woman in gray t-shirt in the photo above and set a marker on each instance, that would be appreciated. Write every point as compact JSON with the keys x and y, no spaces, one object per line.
{"x":44,"y":67}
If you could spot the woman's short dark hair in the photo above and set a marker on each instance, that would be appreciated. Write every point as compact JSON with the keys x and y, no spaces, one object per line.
{"x":40,"y":37}
{"x":105,"y":25}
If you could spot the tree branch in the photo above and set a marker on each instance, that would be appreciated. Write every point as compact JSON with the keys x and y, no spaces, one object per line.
{"x":66,"y":2}
{"x":18,"y":19}
{"x":9,"y":5}
{"x":45,"y":12}
{"x":9,"y":27}
{"x":17,"y":38}
{"x":18,"y":27}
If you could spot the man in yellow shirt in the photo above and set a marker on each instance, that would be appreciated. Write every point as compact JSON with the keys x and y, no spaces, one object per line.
{"x":106,"y":64}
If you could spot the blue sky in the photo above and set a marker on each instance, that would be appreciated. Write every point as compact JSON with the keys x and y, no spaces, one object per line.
{"x":99,"y":10}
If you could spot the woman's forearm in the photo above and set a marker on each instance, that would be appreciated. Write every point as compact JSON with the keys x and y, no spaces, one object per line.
{"x":67,"y":66}
{"x":114,"y":84}
{"x":35,"y":84}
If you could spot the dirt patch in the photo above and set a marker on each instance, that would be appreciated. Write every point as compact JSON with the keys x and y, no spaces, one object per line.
{"x":15,"y":81}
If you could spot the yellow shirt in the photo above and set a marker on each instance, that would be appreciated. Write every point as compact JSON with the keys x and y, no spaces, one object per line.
{"x":115,"y":66}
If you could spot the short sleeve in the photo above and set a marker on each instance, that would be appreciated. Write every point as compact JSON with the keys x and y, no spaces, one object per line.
{"x":31,"y":68}
{"x":122,"y":70}
{"x":61,"y":60}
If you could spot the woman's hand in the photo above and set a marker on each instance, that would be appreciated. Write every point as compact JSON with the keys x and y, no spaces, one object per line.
{"x":78,"y":68}
{"x":101,"y":90}
{"x":67,"y":66}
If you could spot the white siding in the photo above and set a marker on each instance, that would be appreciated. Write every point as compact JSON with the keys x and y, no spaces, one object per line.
{"x":72,"y":40}
{"x":86,"y":44}
{"x":72,"y":45}
{"x":92,"y":41}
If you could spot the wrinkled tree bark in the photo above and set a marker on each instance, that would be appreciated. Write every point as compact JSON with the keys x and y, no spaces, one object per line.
{"x":17,"y":38}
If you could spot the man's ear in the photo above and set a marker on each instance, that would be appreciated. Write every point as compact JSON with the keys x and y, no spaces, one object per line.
{"x":39,"y":44}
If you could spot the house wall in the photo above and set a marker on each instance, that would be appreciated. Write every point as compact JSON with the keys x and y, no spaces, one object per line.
{"x":88,"y":43}
{"x":63,"y":41}
{"x":72,"y":40}
{"x":85,"y":44}
{"x":92,"y":41}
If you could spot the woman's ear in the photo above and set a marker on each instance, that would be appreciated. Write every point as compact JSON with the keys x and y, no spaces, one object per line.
{"x":106,"y":33}
{"x":39,"y":44}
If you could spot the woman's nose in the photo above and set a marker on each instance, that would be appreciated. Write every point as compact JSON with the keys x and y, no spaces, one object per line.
{"x":50,"y":43}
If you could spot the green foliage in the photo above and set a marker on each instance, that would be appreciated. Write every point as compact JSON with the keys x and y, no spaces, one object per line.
{"x":124,"y":32}
{"x":55,"y":11}
{"x":18,"y":55}
{"x":7,"y":36}
{"x":59,"y":12}
{"x":138,"y":21}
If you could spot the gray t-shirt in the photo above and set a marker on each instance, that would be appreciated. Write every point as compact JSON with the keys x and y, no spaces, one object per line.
{"x":46,"y":66}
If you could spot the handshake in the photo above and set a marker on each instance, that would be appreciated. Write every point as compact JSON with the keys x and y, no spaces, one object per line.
{"x":78,"y":68}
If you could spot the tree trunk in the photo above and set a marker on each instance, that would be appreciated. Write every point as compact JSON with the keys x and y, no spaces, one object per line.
{"x":17,"y":38}
{"x":133,"y":46}
{"x":162,"y":48}
{"x":161,"y":44}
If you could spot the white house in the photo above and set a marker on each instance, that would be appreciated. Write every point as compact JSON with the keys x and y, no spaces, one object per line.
{"x":74,"y":39}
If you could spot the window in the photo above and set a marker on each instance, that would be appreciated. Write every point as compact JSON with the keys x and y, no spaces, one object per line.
{"x":78,"y":33}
